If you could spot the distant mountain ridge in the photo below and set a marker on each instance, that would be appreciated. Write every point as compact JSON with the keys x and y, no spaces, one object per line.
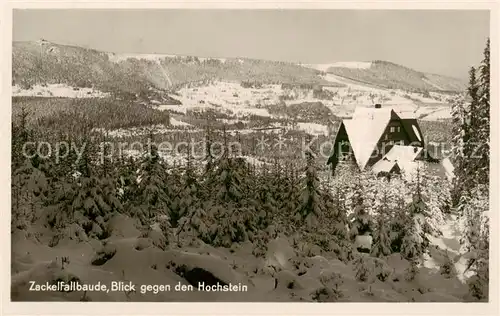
{"x":385,"y":74}
{"x":43,"y":62}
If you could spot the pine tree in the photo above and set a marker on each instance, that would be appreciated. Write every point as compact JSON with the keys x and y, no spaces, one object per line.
{"x":96,"y":200}
{"x":128,"y":180}
{"x":265,"y":201}
{"x":430,"y":218}
{"x":438,"y":201}
{"x":471,"y":139}
{"x":448,"y":269}
{"x":471,"y":193}
{"x":476,"y":244}
{"x":152,"y":199}
{"x":458,"y":159}
{"x":483,"y":114}
{"x":334,"y":224}
{"x":231,"y":219}
{"x":361,"y":222}
{"x":209,"y":157}
{"x":381,"y":241}
{"x":292,"y":192}
{"x":310,"y":209}
{"x":30,"y":189}
{"x":412,"y":244}
{"x":340,"y":211}
{"x":193,"y":220}
{"x":22,"y":133}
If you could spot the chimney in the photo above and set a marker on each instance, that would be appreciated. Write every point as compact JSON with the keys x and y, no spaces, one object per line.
{"x":378,"y":106}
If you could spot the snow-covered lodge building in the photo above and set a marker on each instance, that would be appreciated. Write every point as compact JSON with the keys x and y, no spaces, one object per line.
{"x":377,"y":138}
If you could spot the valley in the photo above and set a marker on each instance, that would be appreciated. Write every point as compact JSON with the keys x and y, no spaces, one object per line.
{"x":148,"y":200}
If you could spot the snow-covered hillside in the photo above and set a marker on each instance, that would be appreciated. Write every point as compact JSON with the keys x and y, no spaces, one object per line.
{"x":117,"y":58}
{"x":233,"y":99}
{"x":347,"y":64}
{"x":57,"y":91}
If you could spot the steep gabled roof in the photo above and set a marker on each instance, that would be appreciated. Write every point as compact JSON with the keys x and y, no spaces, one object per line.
{"x":413,"y":130}
{"x":385,"y":166}
{"x":403,"y":153}
{"x":365,"y":130}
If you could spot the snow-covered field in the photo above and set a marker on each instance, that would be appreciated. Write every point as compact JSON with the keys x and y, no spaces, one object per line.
{"x":313,"y":128}
{"x":226,"y":97}
{"x":233,"y":99}
{"x":175,"y":122}
{"x":344,"y":64}
{"x":57,"y":90}
{"x":439,"y":114}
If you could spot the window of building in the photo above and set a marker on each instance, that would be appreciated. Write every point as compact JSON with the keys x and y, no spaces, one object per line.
{"x":393,"y":129}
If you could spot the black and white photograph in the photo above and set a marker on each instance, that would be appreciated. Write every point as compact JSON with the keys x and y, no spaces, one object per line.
{"x":250,"y":155}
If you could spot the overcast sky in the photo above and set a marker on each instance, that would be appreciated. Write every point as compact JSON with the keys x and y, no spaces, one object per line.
{"x":443,"y":42}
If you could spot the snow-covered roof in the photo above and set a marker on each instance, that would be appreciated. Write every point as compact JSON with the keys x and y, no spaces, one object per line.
{"x":365,"y":129}
{"x":404,"y":156}
{"x":383,"y":166}
{"x":403,"y":153}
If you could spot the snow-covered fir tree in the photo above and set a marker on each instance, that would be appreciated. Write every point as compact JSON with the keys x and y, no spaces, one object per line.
{"x":428,"y":199}
{"x":381,"y":239}
{"x":483,"y":117}
{"x":459,"y":112}
{"x":265,"y":201}
{"x":447,"y":269}
{"x":30,"y":189}
{"x":309,"y":210}
{"x":471,"y":191}
{"x":360,"y":220}
{"x":412,"y":245}
{"x":152,"y":198}
{"x":231,"y":220}
{"x":193,"y":221}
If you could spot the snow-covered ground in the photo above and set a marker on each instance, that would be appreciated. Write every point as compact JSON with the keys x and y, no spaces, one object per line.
{"x":440,"y":114}
{"x":226,"y":97}
{"x":58,"y":90}
{"x":175,"y":122}
{"x":233,"y":99}
{"x":449,"y":242}
{"x":343,"y":64}
{"x":181,"y":159}
{"x":313,"y":128}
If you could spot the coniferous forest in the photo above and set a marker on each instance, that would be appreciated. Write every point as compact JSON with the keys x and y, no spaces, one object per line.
{"x":283,"y":225}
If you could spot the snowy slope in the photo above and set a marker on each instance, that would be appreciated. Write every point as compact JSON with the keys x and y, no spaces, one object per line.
{"x":448,"y":243}
{"x":57,"y":91}
{"x":348,"y":64}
